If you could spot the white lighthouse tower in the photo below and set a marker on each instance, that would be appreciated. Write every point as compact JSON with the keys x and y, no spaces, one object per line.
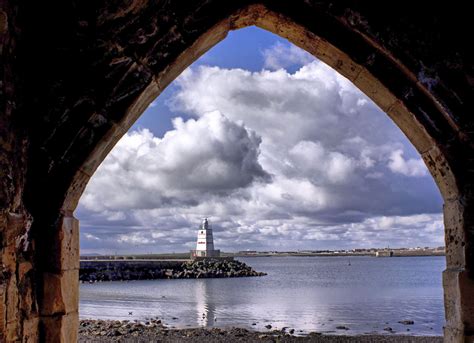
{"x":205,"y":242}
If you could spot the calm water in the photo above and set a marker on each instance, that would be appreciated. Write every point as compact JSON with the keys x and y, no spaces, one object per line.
{"x":305,"y":293}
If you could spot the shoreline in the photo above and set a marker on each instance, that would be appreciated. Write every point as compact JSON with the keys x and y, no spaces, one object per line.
{"x":185,"y":256}
{"x":396,"y":254}
{"x":154,"y":330}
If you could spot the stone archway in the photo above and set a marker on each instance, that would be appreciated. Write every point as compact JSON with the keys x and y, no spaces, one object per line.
{"x":74,"y":83}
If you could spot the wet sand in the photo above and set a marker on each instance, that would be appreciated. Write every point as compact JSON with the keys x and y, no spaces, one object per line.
{"x":155,"y":331}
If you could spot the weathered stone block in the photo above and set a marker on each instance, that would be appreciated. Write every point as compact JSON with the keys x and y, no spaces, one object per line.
{"x":12,"y":313}
{"x":466,"y":285}
{"x":459,"y":305}
{"x":77,"y":187}
{"x":2,"y":309}
{"x":454,"y":233}
{"x":340,"y":62}
{"x":12,"y":332}
{"x":375,"y":90}
{"x":64,"y":252}
{"x":452,"y":300}
{"x":30,"y":330}
{"x":60,"y":293}
{"x":28,"y":304}
{"x":9,"y":258}
{"x":69,"y":240}
{"x":445,"y":180}
{"x":17,"y":225}
{"x":255,"y":14}
{"x":60,"y":328}
{"x":407,"y":123}
{"x":454,"y":335}
{"x":24,"y":268}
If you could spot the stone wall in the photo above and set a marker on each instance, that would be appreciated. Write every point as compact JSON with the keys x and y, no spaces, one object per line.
{"x":75,"y":75}
{"x":126,"y":270}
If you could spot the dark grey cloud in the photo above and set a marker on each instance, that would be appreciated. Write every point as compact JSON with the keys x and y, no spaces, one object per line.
{"x":208,"y":157}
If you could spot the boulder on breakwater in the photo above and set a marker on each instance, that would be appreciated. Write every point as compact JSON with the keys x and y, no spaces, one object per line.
{"x":96,"y":271}
{"x":212,"y":268}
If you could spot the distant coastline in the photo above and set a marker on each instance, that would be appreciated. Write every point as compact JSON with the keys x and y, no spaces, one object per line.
{"x":399,"y":252}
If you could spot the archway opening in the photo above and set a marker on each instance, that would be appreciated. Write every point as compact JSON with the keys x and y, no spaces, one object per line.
{"x":340,"y":177}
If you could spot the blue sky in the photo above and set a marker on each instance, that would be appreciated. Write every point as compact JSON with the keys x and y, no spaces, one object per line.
{"x":241,"y":49}
{"x":280,"y":151}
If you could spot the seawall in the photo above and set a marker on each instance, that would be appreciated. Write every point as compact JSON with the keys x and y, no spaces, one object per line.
{"x":114,"y":270}
{"x":122,"y":270}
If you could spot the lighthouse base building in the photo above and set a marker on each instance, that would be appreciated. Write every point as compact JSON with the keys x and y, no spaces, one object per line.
{"x":205,"y":243}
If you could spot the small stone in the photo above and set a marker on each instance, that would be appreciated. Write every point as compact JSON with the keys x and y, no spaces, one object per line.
{"x":268,"y":326}
{"x":407,"y":322}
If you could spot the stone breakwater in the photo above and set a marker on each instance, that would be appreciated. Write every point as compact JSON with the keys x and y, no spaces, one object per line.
{"x":215,"y":269}
{"x":95,"y":271}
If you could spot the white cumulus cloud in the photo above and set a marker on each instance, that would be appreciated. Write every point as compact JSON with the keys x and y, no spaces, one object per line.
{"x":208,"y":156}
{"x":276,"y":159}
{"x":409,"y":167}
{"x":283,"y":56}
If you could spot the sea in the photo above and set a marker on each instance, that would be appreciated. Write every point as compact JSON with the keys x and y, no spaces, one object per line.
{"x":333,"y":295}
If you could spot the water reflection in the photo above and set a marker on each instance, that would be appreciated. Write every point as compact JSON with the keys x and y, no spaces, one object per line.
{"x":205,"y":307}
{"x":309,"y":294}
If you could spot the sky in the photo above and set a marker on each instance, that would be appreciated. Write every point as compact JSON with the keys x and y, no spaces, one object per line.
{"x":276,"y":148}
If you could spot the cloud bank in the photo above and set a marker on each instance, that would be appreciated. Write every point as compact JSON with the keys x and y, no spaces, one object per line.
{"x":277,"y":160}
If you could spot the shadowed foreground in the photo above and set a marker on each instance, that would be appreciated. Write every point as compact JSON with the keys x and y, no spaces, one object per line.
{"x":155,"y":331}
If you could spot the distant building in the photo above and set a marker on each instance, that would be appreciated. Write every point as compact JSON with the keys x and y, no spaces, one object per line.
{"x":205,"y":242}
{"x":384,"y":253}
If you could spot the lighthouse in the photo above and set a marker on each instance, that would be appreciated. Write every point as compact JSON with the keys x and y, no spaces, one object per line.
{"x":205,"y":242}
